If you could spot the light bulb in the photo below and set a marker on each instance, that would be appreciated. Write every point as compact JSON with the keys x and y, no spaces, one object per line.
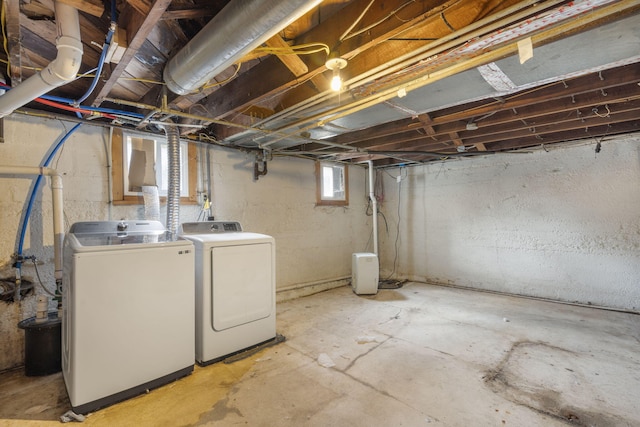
{"x":336,"y":64}
{"x":336,"y":82}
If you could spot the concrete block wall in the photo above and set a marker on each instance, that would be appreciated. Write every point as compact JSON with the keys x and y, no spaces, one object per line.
{"x":562,"y":224}
{"x":314,"y":244}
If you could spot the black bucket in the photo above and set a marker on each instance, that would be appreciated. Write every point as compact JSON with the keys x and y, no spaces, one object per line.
{"x":42,"y":345}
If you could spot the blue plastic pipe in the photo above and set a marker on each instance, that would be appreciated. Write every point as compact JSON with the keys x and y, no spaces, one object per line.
{"x":36,"y":187}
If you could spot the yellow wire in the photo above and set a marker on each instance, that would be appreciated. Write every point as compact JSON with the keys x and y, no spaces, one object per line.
{"x":301,"y":49}
{"x":235,"y":73}
{"x":135,"y":79}
{"x":285,"y":51}
{"x":4,"y":36}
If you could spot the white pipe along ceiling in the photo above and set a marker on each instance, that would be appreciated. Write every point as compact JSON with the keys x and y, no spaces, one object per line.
{"x":63,"y":69}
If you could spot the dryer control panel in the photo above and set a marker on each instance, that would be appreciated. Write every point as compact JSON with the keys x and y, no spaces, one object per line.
{"x":208,"y":227}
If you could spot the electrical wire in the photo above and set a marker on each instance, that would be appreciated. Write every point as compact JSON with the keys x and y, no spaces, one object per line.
{"x":235,"y":73}
{"x":358,"y":19}
{"x":3,"y":24}
{"x":35,"y":265}
{"x":302,"y":49}
{"x":375,"y":24}
{"x":136,"y":79}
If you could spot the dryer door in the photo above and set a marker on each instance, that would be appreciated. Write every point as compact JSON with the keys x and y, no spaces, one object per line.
{"x":242,"y":284}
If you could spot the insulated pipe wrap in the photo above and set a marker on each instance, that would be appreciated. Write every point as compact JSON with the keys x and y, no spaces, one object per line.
{"x":240,"y":27}
{"x":173,"y":190}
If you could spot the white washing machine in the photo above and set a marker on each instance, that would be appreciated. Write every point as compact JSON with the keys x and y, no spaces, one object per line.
{"x":128,"y":303}
{"x":235,"y":288}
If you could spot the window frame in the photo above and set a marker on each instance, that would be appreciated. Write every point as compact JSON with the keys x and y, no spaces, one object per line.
{"x":320,"y":201}
{"x":118,"y":194}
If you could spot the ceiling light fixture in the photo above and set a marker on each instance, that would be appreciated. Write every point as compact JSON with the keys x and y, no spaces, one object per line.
{"x":336,"y":64}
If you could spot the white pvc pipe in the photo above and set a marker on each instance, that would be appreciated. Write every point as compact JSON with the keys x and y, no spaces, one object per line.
{"x":58,"y":216}
{"x":61,"y":70}
{"x":374,"y":204}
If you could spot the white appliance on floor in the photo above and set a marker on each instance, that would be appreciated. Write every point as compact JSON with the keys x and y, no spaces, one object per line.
{"x":365,"y":273}
{"x":128,"y":302}
{"x":235,"y":288}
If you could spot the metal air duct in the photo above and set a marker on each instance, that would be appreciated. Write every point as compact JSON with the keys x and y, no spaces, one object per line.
{"x":61,"y":70}
{"x":173,"y":190}
{"x":240,"y":27}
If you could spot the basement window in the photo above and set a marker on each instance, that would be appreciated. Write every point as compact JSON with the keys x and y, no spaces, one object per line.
{"x":142,"y":159}
{"x":332,"y":187}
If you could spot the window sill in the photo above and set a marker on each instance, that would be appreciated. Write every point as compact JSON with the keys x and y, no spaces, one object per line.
{"x":332,"y":203}
{"x":138,"y":200}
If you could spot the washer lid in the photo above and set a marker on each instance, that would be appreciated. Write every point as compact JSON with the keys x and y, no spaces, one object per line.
{"x":108,"y":233}
{"x":121,"y":239}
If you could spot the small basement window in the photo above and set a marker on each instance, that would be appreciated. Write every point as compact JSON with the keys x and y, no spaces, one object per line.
{"x":142,"y":159}
{"x":332,"y":187}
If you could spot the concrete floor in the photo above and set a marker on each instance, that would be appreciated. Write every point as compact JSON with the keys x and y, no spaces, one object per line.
{"x":417,"y":356}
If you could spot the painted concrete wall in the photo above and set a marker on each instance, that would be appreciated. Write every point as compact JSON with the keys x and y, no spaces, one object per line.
{"x":563,"y":224}
{"x":314,"y":244}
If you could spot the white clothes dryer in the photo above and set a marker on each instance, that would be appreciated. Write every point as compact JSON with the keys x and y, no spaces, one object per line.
{"x":235,"y":289}
{"x":128,"y":302}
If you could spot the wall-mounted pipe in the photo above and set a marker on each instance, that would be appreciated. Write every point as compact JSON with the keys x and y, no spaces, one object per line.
{"x":61,"y":70}
{"x":374,"y":206}
{"x":240,"y":27}
{"x":58,"y":216}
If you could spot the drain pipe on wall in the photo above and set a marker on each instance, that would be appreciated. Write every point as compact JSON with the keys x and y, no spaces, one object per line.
{"x":60,"y":71}
{"x":374,"y":205}
{"x":173,"y":190}
{"x":58,"y":217}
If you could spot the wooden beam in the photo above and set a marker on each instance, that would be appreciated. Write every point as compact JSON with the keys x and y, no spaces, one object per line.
{"x":12,"y":19}
{"x":427,"y":124}
{"x":92,"y":7}
{"x":138,"y":28}
{"x":141,"y":6}
{"x":581,"y":92}
{"x":190,"y":12}
{"x":455,"y":138}
{"x":290,"y":60}
{"x":365,"y":51}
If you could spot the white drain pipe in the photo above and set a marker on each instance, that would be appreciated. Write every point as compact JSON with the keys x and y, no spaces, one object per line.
{"x":240,"y":27}
{"x":374,"y":205}
{"x":61,"y":70}
{"x":58,"y":216}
